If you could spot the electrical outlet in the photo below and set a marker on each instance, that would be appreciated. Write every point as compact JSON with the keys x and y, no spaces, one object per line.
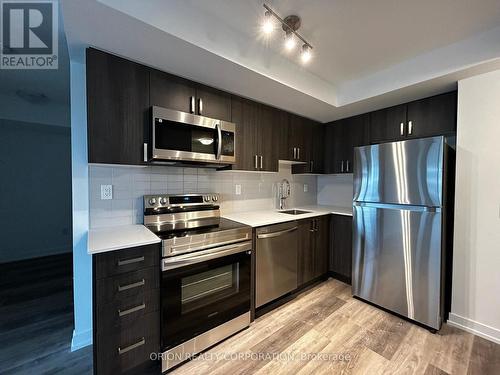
{"x":306,"y":188}
{"x":106,"y":192}
{"x":237,"y":189}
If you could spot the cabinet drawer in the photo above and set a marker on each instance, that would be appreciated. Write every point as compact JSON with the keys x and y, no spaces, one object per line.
{"x":128,"y":285}
{"x":122,"y":313}
{"x":126,"y":260}
{"x":128,"y":348}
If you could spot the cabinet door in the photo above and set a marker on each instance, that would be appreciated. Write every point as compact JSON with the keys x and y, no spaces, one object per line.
{"x":321,"y":245}
{"x":300,"y":138}
{"x":117,"y":109}
{"x":318,"y":149}
{"x":305,"y":257}
{"x":354,"y":133}
{"x":245,"y":114}
{"x":385,"y":124}
{"x":172,"y":92}
{"x":268,"y":133}
{"x":432,"y":116}
{"x":283,"y":142}
{"x":341,"y":247}
{"x":213,"y":103}
{"x":334,"y":147}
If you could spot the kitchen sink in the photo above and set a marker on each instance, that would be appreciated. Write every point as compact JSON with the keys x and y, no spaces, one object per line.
{"x":294,"y":212}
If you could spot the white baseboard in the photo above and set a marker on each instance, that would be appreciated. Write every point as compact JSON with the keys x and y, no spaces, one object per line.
{"x":479,"y":329}
{"x":81,"y":339}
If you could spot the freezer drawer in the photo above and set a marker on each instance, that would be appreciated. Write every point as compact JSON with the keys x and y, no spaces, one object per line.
{"x":397,"y":260}
{"x":276,"y":262}
{"x":407,"y":172}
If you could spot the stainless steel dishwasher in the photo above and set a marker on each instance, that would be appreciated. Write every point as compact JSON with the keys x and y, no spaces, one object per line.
{"x":276,"y":262}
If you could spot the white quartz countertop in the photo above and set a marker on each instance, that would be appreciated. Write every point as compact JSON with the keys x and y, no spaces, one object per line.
{"x":269,"y":217}
{"x":119,"y":237}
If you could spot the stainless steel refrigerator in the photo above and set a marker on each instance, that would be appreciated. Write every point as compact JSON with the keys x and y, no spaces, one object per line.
{"x":398,"y":234}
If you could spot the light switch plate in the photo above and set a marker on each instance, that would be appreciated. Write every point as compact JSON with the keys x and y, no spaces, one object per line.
{"x":237,"y":189}
{"x":106,"y":192}
{"x":306,"y":188}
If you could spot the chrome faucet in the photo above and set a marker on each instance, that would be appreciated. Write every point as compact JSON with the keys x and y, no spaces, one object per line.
{"x":284,"y":192}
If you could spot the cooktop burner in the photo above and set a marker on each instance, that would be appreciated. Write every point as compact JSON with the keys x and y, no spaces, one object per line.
{"x":222,"y":225}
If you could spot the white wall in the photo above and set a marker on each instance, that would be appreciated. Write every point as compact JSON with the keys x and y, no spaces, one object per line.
{"x":258,"y":190}
{"x":476,"y":259}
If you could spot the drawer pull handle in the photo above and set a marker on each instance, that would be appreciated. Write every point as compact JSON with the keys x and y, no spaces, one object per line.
{"x":131,"y":310}
{"x":141,"y":342}
{"x":130,"y":261}
{"x":121,"y":288}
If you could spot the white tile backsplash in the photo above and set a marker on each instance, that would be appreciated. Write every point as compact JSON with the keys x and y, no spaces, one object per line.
{"x":130,"y":184}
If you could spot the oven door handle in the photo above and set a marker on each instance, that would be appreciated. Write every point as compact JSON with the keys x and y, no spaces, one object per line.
{"x":202,"y":256}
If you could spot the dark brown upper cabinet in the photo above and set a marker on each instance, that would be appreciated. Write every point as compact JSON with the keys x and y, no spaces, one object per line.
{"x":180,"y":94}
{"x":340,"y":139}
{"x":255,"y":148}
{"x":117,"y":109}
{"x":169,"y":91}
{"x":427,"y":117}
{"x":432,"y":116}
{"x":299,"y":139}
{"x":316,"y":164}
{"x":213,"y":103}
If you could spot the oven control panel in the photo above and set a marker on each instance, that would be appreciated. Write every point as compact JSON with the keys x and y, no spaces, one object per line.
{"x":180,"y":200}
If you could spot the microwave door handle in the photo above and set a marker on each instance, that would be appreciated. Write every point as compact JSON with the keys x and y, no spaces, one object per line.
{"x":219,"y":141}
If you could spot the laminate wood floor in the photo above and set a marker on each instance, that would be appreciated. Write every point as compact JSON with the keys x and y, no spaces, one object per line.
{"x":326,"y":331}
{"x":36,"y":318}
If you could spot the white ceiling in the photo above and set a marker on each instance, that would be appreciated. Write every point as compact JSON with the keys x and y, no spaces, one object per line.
{"x":367,"y":54}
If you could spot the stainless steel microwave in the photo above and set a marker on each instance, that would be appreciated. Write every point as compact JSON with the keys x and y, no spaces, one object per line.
{"x":181,"y":136}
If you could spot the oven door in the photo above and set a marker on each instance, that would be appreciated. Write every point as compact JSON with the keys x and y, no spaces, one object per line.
{"x":202,"y":290}
{"x":187,"y":137}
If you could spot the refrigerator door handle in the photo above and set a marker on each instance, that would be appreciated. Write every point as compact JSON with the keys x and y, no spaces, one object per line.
{"x":397,"y":206}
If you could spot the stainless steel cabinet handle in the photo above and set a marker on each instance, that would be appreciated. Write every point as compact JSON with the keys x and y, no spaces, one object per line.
{"x":191,"y":105}
{"x":130,"y":261}
{"x":145,"y":157}
{"x":410,"y":127}
{"x":276,"y":234}
{"x":261,"y":163}
{"x":342,"y":167}
{"x":347,"y":163}
{"x":200,"y":106}
{"x":256,"y":161}
{"x":294,"y":153}
{"x":402,"y":128}
{"x":121,"y":288}
{"x":298,"y":153}
{"x":131,"y":310}
{"x":138,"y":344}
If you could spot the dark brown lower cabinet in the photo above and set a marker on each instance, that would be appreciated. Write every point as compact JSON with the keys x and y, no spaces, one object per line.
{"x":313,"y":249}
{"x":126,"y":310}
{"x":341,"y":247}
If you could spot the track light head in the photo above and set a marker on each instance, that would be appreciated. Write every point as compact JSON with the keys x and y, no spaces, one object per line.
{"x":290,"y":41}
{"x":306,"y":53}
{"x":267,"y":25}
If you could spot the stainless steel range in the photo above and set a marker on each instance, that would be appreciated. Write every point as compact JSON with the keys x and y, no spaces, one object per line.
{"x":205,"y":278}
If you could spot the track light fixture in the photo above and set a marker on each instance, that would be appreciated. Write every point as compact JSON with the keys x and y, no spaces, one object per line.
{"x":290,"y":25}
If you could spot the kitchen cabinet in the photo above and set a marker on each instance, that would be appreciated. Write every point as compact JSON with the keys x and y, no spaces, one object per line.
{"x":118,"y":109}
{"x":255,"y":150}
{"x":427,"y":117}
{"x":126,"y":309}
{"x":316,"y":164}
{"x":299,"y":139}
{"x":180,"y":94}
{"x":313,"y":244}
{"x":340,"y":259}
{"x":340,"y":139}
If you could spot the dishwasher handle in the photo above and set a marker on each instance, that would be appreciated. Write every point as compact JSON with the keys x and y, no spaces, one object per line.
{"x":277,"y":234}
